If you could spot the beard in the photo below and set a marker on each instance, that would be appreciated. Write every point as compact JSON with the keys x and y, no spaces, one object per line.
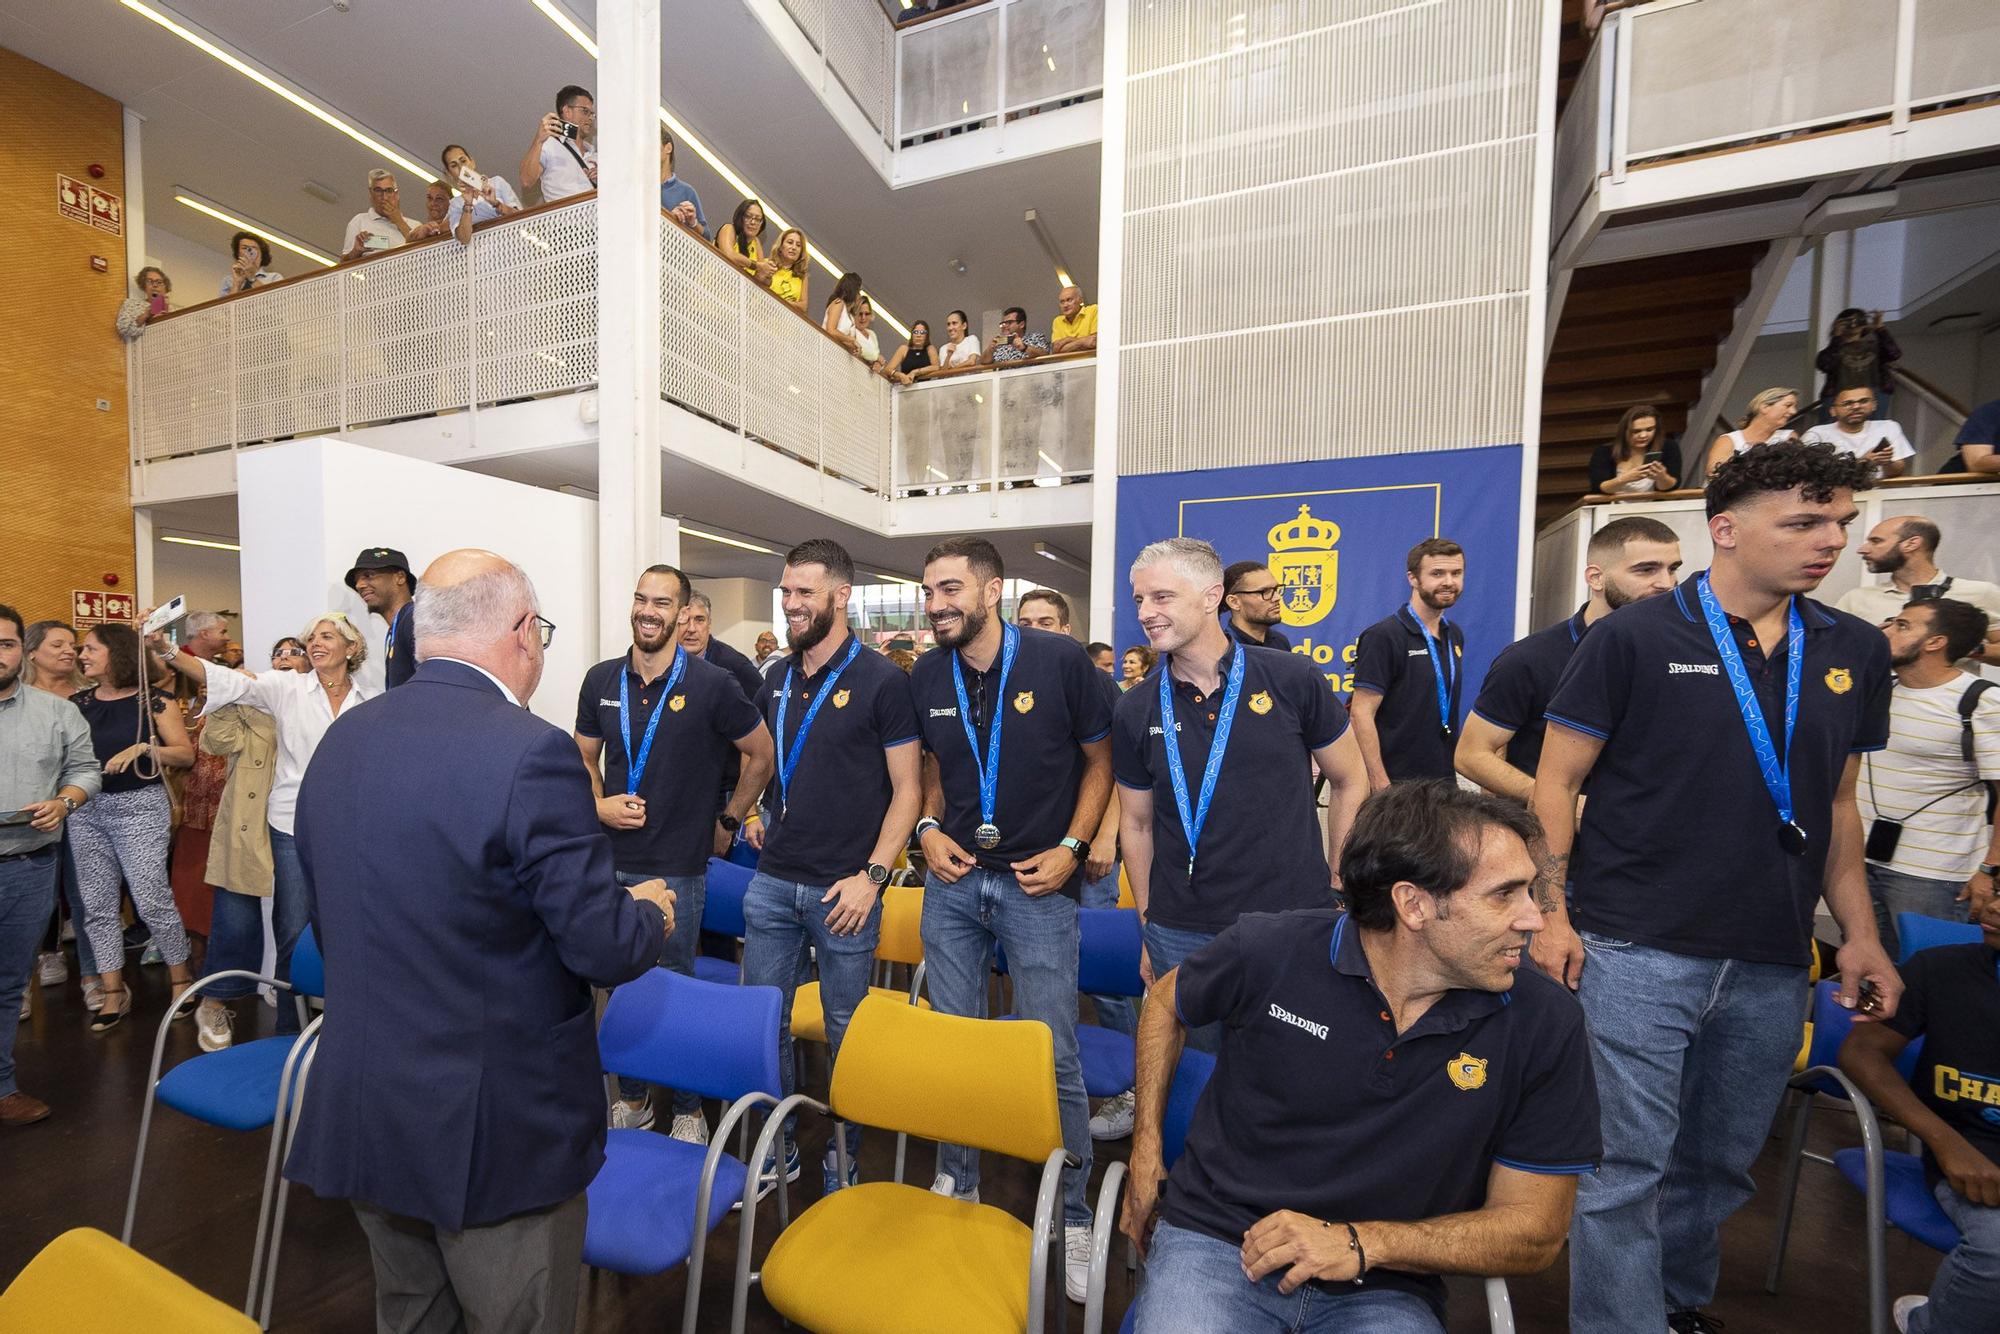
{"x":971,"y":621}
{"x":1439,"y":600}
{"x":1903,"y":659}
{"x":816,"y":630}
{"x":1267,"y":615}
{"x":1888,"y":562}
{"x":653,"y":643}
{"x":9,"y":677}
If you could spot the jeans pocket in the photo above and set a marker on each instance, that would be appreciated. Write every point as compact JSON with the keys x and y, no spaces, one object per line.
{"x":1592,"y":942}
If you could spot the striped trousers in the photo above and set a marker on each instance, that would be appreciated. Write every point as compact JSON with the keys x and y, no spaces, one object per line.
{"x":123,"y":836}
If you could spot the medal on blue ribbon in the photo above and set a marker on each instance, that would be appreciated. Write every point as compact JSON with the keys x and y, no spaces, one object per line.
{"x":635,"y":763}
{"x":788,"y":762}
{"x":1776,"y":768}
{"x":1193,"y":819}
{"x":987,"y":836}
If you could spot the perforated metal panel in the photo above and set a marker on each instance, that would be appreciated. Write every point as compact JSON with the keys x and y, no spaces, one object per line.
{"x":701,"y":329}
{"x":287,"y":361}
{"x":860,"y":50}
{"x":536,"y":299}
{"x":185,"y":388}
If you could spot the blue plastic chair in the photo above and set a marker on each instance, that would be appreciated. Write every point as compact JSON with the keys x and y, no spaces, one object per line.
{"x":1914,"y":932}
{"x":722,"y":913}
{"x":247,"y":1086}
{"x":1107,"y":965}
{"x":656,"y":1199}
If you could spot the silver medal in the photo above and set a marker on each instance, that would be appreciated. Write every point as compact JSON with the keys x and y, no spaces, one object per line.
{"x":987,"y":836}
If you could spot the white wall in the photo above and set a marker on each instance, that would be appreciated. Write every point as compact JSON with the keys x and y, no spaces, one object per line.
{"x":740,"y":610}
{"x":208,"y":579}
{"x":196,"y":270}
{"x":306,"y":508}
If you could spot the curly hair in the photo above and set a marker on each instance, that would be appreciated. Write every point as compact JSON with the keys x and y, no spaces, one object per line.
{"x":1817,"y":470}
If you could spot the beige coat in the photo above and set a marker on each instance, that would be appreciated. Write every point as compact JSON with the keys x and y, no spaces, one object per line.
{"x":239,"y":850}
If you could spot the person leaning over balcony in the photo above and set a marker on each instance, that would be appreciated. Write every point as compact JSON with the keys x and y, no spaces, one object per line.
{"x":1855,"y":430}
{"x":1765,"y":419}
{"x":1014,"y":342}
{"x":1622,"y":468}
{"x":491,"y":196}
{"x":741,"y":241}
{"x":959,"y":348}
{"x":249,"y":265}
{"x":135,"y":313}
{"x":914,"y":357}
{"x":1075,"y":329}
{"x":437,"y":208}
{"x":838,"y":318}
{"x":677,"y":197}
{"x":563,"y":157}
{"x":866,"y":345}
{"x":1978,"y":441}
{"x":380,"y":226}
{"x":788,"y":280}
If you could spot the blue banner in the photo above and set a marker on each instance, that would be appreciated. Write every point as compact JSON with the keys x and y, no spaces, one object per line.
{"x":1336,"y":533}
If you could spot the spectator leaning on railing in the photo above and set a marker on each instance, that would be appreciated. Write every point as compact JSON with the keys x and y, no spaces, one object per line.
{"x":914,"y":357}
{"x":741,"y":241}
{"x":866,"y":346}
{"x":139,"y":311}
{"x":437,"y":205}
{"x":562,"y":160}
{"x":960,"y":347}
{"x":1075,"y":329}
{"x":677,"y":197}
{"x":1880,"y":442}
{"x":838,"y":319}
{"x":250,"y":264}
{"x":491,"y":196}
{"x":788,"y":280}
{"x":1014,"y":342}
{"x":380,"y":226}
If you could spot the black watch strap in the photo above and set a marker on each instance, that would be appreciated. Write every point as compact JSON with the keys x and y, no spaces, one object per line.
{"x":878,"y":873}
{"x":730,"y":824}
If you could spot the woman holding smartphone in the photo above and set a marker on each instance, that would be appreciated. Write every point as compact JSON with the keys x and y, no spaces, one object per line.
{"x":249,"y":264}
{"x":1638,"y":460}
{"x":151,"y":303}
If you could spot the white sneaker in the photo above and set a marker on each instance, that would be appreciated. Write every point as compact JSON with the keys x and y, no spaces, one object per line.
{"x":214,"y":1026}
{"x":1114,"y":1116}
{"x":691,"y":1128}
{"x":1076,"y":1261}
{"x":93,"y":994}
{"x":69,"y":930}
{"x":624,"y":1116}
{"x":947,"y":1184}
{"x":1900,"y":1312}
{"x":52,"y":969}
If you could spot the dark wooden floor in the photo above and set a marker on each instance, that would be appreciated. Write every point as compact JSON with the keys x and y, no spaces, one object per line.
{"x":198,"y":1209}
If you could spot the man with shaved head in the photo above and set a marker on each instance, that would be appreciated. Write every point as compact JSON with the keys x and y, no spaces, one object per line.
{"x":1904,"y":547}
{"x":1075,"y":330}
{"x":465,"y":899}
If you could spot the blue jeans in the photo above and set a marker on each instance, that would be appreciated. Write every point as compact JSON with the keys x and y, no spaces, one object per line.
{"x":1966,"y":1291}
{"x":236,"y":932}
{"x":27,"y":897}
{"x":1893,"y":892}
{"x":677,"y":954}
{"x":783,"y":920}
{"x":1691,"y":1057}
{"x":1167,"y":949}
{"x":72,"y":894}
{"x":1113,"y":1012}
{"x":961,"y":922}
{"x":1194,"y":1284}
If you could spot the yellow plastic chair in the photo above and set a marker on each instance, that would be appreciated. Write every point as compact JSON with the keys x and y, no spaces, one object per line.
{"x":888,"y":1258}
{"x":1125,"y":898}
{"x":85,"y":1280}
{"x":901,"y":941}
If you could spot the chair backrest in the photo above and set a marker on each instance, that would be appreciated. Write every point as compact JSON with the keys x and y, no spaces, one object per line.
{"x":1831,"y":1022}
{"x":705,"y":1037}
{"x":722,"y":898}
{"x":1916,"y":932}
{"x":1190,"y":1078}
{"x":1108,"y":952}
{"x":85,"y":1279}
{"x":902,"y":939}
{"x":984,"y":1083}
{"x":308,"y":975}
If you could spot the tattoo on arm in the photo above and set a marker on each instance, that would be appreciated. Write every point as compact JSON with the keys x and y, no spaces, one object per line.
{"x":1554,"y":874}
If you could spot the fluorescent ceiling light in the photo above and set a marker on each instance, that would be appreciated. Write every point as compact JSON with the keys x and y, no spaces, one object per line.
{"x":557,"y":16}
{"x":201,"y":41}
{"x":270,"y":234}
{"x":1058,"y":555}
{"x":893,"y":578}
{"x":726,"y":541}
{"x":203,"y":542}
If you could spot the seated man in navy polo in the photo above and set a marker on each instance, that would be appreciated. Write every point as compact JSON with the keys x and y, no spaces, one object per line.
{"x":1396,"y":1098}
{"x":1951,"y":999}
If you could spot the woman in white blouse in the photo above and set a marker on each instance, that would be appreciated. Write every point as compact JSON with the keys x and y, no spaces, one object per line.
{"x":304,"y":705}
{"x":959,"y":348}
{"x":1763,"y":420}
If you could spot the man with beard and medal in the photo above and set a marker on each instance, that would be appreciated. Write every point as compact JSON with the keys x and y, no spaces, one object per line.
{"x":840,"y":813}
{"x":1017,"y":730}
{"x":1409,"y":670}
{"x":1628,"y":560}
{"x":1720,"y":729}
{"x":657,"y":727}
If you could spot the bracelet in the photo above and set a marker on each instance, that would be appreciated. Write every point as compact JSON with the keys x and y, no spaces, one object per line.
{"x":1361,"y":1256}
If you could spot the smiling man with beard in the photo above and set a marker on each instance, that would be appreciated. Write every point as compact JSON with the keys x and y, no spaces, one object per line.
{"x":1409,"y":671}
{"x":684,"y":720}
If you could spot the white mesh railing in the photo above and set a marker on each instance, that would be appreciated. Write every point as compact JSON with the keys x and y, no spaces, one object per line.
{"x":857,"y":41}
{"x":995,"y":61}
{"x":1035,"y":424}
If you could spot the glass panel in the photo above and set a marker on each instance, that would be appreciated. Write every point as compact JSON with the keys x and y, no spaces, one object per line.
{"x":1047,"y":420}
{"x":1054,"y":48}
{"x":942,"y":433}
{"x":951,"y":72}
{"x":1957,"y":48}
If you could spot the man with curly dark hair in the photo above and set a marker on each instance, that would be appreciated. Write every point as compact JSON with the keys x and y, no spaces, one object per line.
{"x":1720,"y":728}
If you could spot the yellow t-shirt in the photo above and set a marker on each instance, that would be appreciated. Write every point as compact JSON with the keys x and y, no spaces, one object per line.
{"x":1083,"y":326}
{"x":789,"y":285}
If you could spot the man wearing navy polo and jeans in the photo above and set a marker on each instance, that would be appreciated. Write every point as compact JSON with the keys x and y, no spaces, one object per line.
{"x":1223,"y":821}
{"x":1721,"y":730}
{"x":1397,"y":1097}
{"x":841,"y":811}
{"x":1409,"y":673}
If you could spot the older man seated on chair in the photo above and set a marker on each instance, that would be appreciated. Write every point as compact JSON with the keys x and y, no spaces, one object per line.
{"x":1951,"y":1000}
{"x":1397,"y":1097}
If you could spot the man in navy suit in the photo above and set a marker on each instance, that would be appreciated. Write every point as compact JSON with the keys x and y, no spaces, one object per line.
{"x":464,"y":897}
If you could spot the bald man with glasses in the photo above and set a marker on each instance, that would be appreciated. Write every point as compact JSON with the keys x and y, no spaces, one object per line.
{"x":1251,"y":597}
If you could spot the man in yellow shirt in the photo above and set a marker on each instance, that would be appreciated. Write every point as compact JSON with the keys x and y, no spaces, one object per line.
{"x":1075,"y":330}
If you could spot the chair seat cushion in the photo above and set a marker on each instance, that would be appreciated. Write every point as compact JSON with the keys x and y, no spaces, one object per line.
{"x":710,"y":969}
{"x":235,"y":1088}
{"x":641,"y":1203}
{"x":884,"y":1258}
{"x":809,"y":1016}
{"x":1107,"y":1057}
{"x":1907,"y":1199}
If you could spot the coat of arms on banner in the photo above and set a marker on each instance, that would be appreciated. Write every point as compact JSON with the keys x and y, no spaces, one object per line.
{"x":1306,"y":566}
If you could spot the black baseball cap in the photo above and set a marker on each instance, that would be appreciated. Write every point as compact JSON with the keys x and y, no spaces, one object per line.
{"x":382,"y":558}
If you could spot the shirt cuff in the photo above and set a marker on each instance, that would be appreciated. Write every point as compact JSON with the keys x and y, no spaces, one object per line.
{"x":1576,"y":726}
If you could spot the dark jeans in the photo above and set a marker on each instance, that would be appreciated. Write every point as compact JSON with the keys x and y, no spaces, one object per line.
{"x":236,"y":931}
{"x":27,"y":897}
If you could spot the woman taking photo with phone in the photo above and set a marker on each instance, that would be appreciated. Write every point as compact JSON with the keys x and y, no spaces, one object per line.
{"x":1638,"y":459}
{"x":151,"y":303}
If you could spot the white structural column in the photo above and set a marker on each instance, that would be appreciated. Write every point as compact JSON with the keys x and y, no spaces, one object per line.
{"x":1107,"y":583}
{"x":135,"y":256}
{"x":628,"y":305}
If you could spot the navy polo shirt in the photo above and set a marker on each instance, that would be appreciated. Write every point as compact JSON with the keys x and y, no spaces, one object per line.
{"x":1273,"y":637}
{"x":738,"y":666}
{"x":1261,"y":849}
{"x":1050,"y":709}
{"x":399,"y":662}
{"x":1317,"y":1104}
{"x":1390,"y":659}
{"x":1679,"y":848}
{"x":699,"y":727}
{"x":840,"y":790}
{"x":1951,"y":999}
{"x":1521,"y":682}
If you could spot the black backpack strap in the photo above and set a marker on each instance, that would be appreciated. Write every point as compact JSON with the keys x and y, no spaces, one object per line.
{"x":1968,"y":702}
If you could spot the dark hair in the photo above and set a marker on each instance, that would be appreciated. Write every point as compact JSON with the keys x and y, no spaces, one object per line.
{"x":823,"y":551}
{"x":1425,"y":833}
{"x":915,"y":325}
{"x":236,"y":244}
{"x":1146,"y":656}
{"x":567,"y":95}
{"x":1432,"y":546}
{"x":981,"y":556}
{"x":1963,"y":625}
{"x":963,"y":318}
{"x":1097,"y":646}
{"x":1621,"y":444}
{"x":1612,"y":538}
{"x":121,"y":644}
{"x":847,"y":290}
{"x":1014,"y":312}
{"x":1923,"y":530}
{"x":444,"y":156}
{"x":1237,"y":571}
{"x":687,"y":589}
{"x":1048,"y":595}
{"x":1790,"y":465}
{"x":736,"y":224}
{"x":7,"y":613}
{"x":139,"y":278}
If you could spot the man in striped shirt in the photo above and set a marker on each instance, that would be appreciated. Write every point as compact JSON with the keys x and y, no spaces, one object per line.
{"x":1924,"y":799}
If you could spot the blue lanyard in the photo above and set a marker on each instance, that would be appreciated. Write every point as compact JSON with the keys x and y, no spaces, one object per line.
{"x":789,"y":761}
{"x":989,"y":773}
{"x":393,"y":621}
{"x":1776,"y":768}
{"x":1193,"y":820}
{"x":1441,"y":669}
{"x":635,"y":764}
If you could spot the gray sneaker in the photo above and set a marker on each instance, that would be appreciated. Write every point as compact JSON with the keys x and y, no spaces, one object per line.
{"x":214,"y":1026}
{"x":624,"y":1116}
{"x":690,"y":1128}
{"x":1114,"y":1117}
{"x":52,"y":969}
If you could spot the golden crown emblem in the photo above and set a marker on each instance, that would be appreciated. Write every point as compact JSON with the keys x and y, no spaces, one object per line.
{"x":1305,"y":533}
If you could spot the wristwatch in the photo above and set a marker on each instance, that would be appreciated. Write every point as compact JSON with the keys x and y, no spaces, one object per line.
{"x":730,"y":824}
{"x":928,"y":823}
{"x":1079,"y":848}
{"x":878,"y":873}
{"x":1985,"y":868}
{"x":69,"y":803}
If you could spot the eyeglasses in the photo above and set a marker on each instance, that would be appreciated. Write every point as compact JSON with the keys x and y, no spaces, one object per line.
{"x":1268,"y":594}
{"x":381,"y":189}
{"x":288,"y":653}
{"x":543,"y":624}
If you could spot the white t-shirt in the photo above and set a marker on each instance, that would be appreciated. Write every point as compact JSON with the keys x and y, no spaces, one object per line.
{"x":867,"y":346}
{"x":1871,"y":434}
{"x":1922,"y":763}
{"x":965,"y":352}
{"x":383,"y":233}
{"x":1738,"y":444}
{"x":561,"y":176}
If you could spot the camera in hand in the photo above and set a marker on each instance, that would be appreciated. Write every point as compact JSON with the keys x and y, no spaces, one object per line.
{"x":569,"y":131}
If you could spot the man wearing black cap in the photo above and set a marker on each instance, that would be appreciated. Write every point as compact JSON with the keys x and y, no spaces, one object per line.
{"x":381,"y":575}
